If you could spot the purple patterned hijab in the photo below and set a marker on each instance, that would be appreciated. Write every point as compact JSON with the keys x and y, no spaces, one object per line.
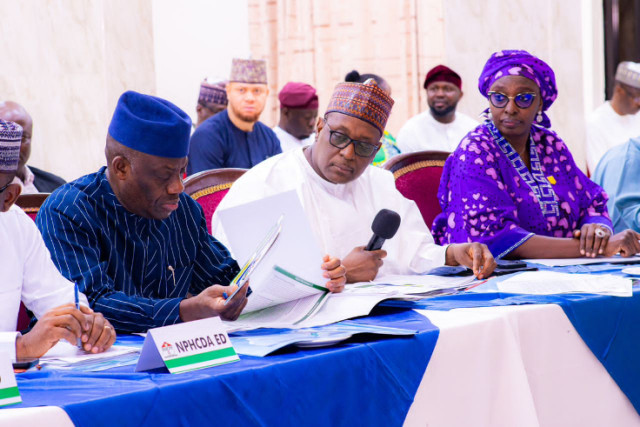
{"x":521,"y":63}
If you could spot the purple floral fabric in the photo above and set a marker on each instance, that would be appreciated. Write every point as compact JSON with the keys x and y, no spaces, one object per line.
{"x":484,"y":198}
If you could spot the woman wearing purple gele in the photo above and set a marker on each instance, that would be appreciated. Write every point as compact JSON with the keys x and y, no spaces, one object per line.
{"x":512,"y":183}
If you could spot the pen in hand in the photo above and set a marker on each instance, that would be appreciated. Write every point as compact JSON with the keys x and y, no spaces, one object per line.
{"x":77,"y":298}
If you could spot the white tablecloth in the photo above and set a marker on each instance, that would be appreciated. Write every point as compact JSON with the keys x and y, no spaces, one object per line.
{"x":515,"y":366}
{"x":496,"y":366}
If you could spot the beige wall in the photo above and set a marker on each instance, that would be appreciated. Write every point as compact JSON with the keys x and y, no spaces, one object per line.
{"x":194,"y":39}
{"x":319,"y":42}
{"x":68,"y":61}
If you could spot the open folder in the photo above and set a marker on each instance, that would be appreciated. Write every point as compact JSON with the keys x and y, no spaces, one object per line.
{"x":288,"y":284}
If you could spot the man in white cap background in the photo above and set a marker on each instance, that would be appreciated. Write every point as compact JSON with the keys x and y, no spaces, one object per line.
{"x":618,"y":120}
{"x":29,"y":276}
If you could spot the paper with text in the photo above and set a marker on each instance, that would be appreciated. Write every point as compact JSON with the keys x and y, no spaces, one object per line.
{"x":551,"y":282}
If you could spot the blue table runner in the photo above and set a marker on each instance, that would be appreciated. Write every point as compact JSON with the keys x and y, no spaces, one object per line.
{"x":355,"y":383}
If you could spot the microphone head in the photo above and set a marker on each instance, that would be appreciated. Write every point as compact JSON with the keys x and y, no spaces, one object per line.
{"x":386,"y":223}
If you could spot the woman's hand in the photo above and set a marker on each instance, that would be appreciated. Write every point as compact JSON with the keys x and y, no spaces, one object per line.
{"x":626,"y":243}
{"x":593,"y":239}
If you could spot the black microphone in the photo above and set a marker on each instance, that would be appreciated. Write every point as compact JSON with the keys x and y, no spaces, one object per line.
{"x":384,"y":226}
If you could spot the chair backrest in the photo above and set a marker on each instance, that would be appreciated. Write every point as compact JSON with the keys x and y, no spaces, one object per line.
{"x":209,"y":188}
{"x":417,"y":177}
{"x":30,"y":203}
{"x":23,"y":318}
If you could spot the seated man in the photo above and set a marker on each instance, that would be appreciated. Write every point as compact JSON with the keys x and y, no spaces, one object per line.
{"x":441,"y":127}
{"x":618,"y":173}
{"x":33,"y":180}
{"x":617,"y":120}
{"x":211,"y":100}
{"x":132,"y":240}
{"x":341,"y":195}
{"x":28,"y":275}
{"x":298,"y":115}
{"x":235,"y":138}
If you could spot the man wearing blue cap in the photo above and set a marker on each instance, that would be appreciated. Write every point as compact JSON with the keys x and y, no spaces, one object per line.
{"x":128,"y":235}
{"x":133,"y":241}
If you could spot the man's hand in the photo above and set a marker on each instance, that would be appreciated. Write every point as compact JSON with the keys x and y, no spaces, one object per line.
{"x":593,"y":239}
{"x":334,"y":271}
{"x":476,"y":256}
{"x":625,"y":243}
{"x":210,"y":302}
{"x":64,"y":322}
{"x":361,"y":265}
{"x":100,"y":335}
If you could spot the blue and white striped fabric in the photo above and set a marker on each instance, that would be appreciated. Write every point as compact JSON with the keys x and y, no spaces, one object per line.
{"x":134,"y":270}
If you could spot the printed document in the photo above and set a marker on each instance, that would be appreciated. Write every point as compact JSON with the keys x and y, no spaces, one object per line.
{"x":551,"y":282}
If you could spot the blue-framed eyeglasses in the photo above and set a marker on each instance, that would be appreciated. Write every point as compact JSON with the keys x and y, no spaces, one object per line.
{"x":341,"y":141}
{"x":522,"y":100}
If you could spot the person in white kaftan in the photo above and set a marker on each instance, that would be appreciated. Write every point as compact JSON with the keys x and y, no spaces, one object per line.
{"x":29,"y":275}
{"x":616,"y":121}
{"x":441,"y":127}
{"x":298,"y":115}
{"x":341,"y":195}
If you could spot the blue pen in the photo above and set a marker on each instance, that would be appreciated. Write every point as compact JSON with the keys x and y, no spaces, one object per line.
{"x":77,"y":298}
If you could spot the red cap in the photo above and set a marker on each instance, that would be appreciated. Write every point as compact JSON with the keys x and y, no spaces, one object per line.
{"x":442,"y":73}
{"x":299,"y":96}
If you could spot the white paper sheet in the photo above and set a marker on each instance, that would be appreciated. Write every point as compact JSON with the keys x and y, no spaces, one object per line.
{"x":563,"y":262}
{"x":295,"y":250}
{"x":64,"y":356}
{"x":551,"y":282}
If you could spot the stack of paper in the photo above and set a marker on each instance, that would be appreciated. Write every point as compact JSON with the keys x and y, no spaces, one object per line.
{"x":563,"y":262}
{"x":257,"y":343}
{"x":550,"y":282}
{"x":66,"y":356}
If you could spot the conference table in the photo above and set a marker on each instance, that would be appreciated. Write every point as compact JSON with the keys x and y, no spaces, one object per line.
{"x":523,"y":363}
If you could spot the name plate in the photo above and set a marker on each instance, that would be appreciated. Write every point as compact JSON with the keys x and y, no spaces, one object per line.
{"x":9,"y":394}
{"x":187,"y":346}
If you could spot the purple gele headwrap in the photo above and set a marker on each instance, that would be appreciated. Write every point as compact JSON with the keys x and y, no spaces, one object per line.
{"x":521,"y":63}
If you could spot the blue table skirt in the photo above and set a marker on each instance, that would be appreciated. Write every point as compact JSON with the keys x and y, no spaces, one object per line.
{"x":355,"y":383}
{"x":610,"y":326}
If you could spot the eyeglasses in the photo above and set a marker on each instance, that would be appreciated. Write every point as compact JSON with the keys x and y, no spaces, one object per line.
{"x":6,"y":186}
{"x":341,"y":141}
{"x":634,"y":96}
{"x":522,"y":100}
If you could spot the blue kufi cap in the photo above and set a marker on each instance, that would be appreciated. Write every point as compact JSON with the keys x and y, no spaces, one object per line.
{"x":151,"y":125}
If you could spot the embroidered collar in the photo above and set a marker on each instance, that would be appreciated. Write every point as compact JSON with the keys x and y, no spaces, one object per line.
{"x":540,"y":186}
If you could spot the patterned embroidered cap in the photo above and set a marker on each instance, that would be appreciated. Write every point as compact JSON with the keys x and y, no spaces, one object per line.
{"x":629,"y":73}
{"x":365,"y":101}
{"x":10,"y":139}
{"x":248,"y":71}
{"x":213,"y":93}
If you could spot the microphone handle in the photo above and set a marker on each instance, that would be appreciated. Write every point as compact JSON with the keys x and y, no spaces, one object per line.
{"x":375,"y":243}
